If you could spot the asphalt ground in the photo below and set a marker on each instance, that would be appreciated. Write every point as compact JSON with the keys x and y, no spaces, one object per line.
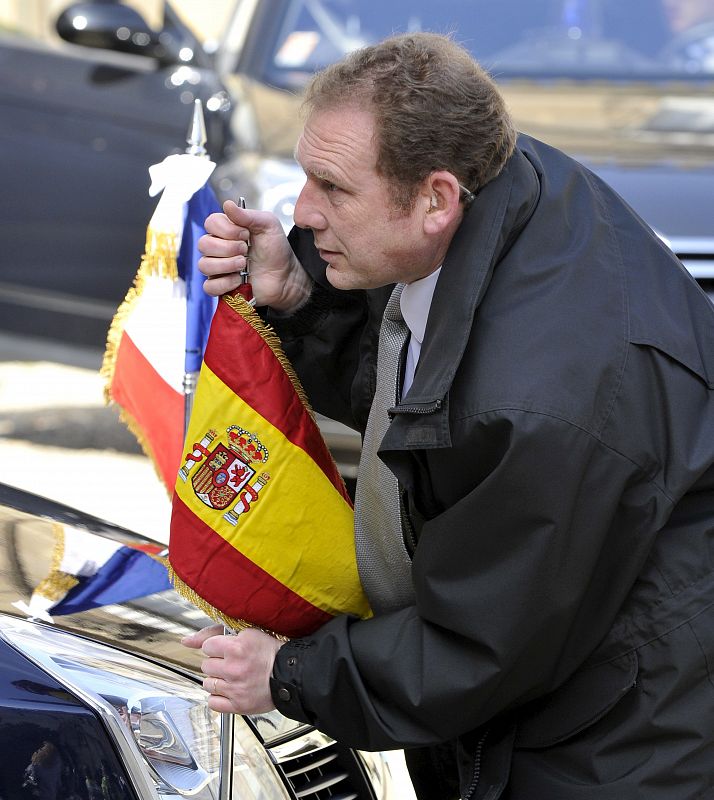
{"x":60,"y":440}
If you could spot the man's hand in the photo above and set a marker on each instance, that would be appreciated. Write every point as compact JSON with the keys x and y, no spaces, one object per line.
{"x":276,"y":276}
{"x":238,"y":668}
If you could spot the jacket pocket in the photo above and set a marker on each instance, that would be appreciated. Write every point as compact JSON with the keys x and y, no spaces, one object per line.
{"x":687,"y":354}
{"x":581,"y":701}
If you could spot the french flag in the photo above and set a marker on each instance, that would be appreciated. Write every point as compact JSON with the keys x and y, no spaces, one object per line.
{"x":159,"y":332}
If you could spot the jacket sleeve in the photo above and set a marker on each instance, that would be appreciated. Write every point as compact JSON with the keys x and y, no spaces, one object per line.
{"x":517,"y":580}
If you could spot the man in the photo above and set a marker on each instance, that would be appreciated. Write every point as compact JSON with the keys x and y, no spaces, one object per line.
{"x":544,"y":616}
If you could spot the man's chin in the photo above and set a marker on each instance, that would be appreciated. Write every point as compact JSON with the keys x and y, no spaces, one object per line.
{"x":338,"y":279}
{"x":348,"y":279}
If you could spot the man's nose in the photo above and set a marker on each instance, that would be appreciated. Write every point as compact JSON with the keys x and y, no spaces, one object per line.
{"x":307,"y":213}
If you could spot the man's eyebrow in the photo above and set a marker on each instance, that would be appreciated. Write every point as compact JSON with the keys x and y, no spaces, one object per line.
{"x":320,"y":174}
{"x":324,"y":175}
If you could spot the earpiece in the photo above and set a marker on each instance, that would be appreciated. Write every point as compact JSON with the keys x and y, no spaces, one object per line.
{"x":434,"y":204}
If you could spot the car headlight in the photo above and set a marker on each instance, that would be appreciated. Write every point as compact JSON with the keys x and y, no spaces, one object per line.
{"x":160,"y":721}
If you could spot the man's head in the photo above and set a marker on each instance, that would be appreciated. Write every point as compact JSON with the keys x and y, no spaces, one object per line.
{"x":434,"y":107}
{"x":393,"y":134}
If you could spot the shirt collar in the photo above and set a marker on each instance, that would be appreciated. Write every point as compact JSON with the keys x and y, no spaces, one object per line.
{"x":415,"y":302}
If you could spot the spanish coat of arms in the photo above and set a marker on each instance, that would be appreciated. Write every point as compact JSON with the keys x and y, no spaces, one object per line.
{"x":227,"y":477}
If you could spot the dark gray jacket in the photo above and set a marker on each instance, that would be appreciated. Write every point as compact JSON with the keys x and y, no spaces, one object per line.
{"x":556,"y":449}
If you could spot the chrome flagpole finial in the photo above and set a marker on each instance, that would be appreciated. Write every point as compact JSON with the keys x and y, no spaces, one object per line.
{"x":197,"y":132}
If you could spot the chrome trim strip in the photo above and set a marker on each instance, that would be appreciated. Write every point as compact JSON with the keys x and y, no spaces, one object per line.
{"x":696,"y":253}
{"x":303,"y":745}
{"x":55,"y":301}
{"x":700,"y":268}
{"x":693,"y":245}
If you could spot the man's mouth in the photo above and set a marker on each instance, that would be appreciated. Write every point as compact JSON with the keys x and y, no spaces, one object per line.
{"x":326,"y":255}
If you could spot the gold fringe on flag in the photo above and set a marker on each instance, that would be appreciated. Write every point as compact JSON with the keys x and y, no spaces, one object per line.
{"x":57,"y":583}
{"x":211,"y":611}
{"x":251,"y":316}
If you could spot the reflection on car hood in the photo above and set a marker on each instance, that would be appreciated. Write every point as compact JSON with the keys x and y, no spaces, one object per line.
{"x":29,"y":531}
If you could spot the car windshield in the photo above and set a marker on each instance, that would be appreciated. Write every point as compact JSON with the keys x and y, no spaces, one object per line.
{"x":608,"y":39}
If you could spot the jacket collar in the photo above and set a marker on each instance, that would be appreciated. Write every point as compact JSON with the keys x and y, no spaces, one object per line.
{"x":490,"y":225}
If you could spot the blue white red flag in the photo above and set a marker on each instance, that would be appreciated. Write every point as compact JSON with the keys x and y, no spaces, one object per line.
{"x":159,"y":332}
{"x":89,"y":571}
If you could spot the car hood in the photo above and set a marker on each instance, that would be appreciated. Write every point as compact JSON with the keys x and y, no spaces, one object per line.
{"x":33,"y":533}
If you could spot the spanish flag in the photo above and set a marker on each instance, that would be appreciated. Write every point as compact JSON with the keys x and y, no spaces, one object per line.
{"x":262,"y":526}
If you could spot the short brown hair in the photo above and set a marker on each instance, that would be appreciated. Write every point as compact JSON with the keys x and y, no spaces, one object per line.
{"x":435,"y":109}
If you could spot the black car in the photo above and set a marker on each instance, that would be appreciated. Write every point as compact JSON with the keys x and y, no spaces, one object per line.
{"x":105,"y":703}
{"x":628,"y":88}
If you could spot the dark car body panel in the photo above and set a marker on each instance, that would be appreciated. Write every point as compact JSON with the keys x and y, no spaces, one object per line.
{"x":36,"y":711}
{"x":80,"y":129}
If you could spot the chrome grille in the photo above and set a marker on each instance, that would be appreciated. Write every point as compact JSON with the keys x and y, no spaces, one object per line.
{"x":317,"y":768}
{"x":697,"y":255}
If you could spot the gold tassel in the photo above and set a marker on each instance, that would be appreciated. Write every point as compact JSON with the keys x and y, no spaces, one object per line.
{"x":217,"y":616}
{"x":57,"y":583}
{"x":251,"y":316}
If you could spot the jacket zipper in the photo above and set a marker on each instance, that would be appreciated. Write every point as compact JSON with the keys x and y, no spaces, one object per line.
{"x":422,"y":408}
{"x":477,"y":768}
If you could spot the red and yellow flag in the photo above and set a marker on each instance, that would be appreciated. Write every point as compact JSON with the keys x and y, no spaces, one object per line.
{"x":262,"y":525}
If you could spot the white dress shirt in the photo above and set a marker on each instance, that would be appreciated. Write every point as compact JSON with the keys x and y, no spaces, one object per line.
{"x":415,"y":303}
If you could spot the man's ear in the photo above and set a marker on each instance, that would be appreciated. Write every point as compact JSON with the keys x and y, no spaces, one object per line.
{"x":441,"y":201}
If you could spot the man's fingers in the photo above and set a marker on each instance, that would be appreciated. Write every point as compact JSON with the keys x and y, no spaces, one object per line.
{"x":223,"y":226}
{"x":211,"y":246}
{"x":215,"y":647}
{"x":221,"y":704}
{"x":213,"y":267}
{"x":197,"y":639}
{"x":247,"y":221}
{"x":222,"y":284}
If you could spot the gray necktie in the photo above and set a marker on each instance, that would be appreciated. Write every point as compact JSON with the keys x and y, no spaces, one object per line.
{"x":382,"y":558}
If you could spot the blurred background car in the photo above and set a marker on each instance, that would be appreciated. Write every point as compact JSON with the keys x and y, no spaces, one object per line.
{"x":106,"y":703}
{"x":106,"y":91}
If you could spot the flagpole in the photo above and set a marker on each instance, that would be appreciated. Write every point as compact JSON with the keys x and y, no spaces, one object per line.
{"x":196,"y":140}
